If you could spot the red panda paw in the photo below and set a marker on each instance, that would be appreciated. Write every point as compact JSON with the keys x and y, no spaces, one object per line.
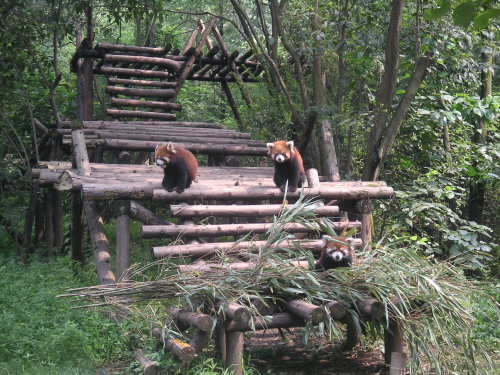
{"x":179,"y":190}
{"x":282,"y":188}
{"x":291,"y":189}
{"x":169,"y":189}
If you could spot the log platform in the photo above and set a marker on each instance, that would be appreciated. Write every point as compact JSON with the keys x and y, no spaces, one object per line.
{"x":226,"y":200}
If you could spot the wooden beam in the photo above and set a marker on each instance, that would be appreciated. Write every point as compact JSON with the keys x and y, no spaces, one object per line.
{"x":219,"y":230}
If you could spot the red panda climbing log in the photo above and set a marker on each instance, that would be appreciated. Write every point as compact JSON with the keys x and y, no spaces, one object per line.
{"x":179,"y":165}
{"x":335,"y":254}
{"x":287,"y":165}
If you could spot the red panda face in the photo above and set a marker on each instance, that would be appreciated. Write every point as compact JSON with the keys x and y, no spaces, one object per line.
{"x":280,"y":151}
{"x":336,"y":251}
{"x":163,"y":154}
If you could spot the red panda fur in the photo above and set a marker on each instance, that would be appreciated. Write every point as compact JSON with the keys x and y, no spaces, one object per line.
{"x":335,"y":254}
{"x":288,"y":165}
{"x":179,"y":165}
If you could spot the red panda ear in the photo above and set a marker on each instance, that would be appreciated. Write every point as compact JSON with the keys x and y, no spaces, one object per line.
{"x":170,"y":147}
{"x":290,"y":144}
{"x":350,"y":240}
{"x":325,"y":239}
{"x":269,"y":147}
{"x":156,"y":148}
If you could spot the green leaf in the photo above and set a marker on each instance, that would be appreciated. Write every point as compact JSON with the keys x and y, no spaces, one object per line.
{"x":481,"y":21}
{"x":464,"y":14}
{"x":435,"y":13}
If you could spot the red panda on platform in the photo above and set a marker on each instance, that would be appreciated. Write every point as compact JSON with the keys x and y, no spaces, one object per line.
{"x":179,"y":165}
{"x":335,"y":254}
{"x":288,"y":165}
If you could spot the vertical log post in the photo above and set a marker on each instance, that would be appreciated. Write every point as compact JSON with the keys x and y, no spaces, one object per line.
{"x":364,"y":209}
{"x":49,"y":221}
{"x":312,"y":178}
{"x":234,"y":352}
{"x":393,"y":340}
{"x":121,"y":210}
{"x":81,"y":162}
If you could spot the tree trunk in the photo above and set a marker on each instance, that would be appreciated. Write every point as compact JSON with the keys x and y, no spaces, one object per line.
{"x":477,"y":186}
{"x":385,"y":93}
{"x":327,"y":146}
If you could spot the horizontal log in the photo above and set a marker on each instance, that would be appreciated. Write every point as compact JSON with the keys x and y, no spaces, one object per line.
{"x":141,"y":82}
{"x":149,"y":367}
{"x":247,"y":210}
{"x":236,"y":266}
{"x":146,"y":103}
{"x":214,"y":139}
{"x":132,"y":72}
{"x":234,"y":311}
{"x":182,"y":350}
{"x":278,"y":320}
{"x":195,"y":124}
{"x":146,"y":93}
{"x":336,"y":309}
{"x":155,"y":61}
{"x":201,"y":250}
{"x":306,"y":310}
{"x":273,"y":193}
{"x":371,"y":308}
{"x":127,"y":48}
{"x":203,"y":322}
{"x":220,"y":230}
{"x":197,"y":148}
{"x":135,"y":114}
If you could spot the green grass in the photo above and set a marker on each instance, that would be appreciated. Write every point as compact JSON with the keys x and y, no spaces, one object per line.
{"x":40,"y":333}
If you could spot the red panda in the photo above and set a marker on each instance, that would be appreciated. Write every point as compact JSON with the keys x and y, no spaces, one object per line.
{"x":335,"y":254}
{"x":288,"y":165}
{"x":179,"y":165}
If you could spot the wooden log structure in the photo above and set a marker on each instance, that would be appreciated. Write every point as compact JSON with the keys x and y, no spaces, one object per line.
{"x":182,"y":350}
{"x":148,"y":366}
{"x":211,"y":267}
{"x":232,"y":310}
{"x":244,"y":210}
{"x":186,"y":319}
{"x":307,"y":311}
{"x":204,"y":249}
{"x":219,"y":230}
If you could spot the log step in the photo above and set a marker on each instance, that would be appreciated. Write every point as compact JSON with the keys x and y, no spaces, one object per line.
{"x":141,"y":82}
{"x":139,"y":114}
{"x":250,"y":210}
{"x":144,"y":93}
{"x":220,"y":230}
{"x":201,"y":250}
{"x":145,"y":103}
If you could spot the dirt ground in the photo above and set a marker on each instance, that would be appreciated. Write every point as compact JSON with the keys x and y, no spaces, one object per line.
{"x":271,"y":354}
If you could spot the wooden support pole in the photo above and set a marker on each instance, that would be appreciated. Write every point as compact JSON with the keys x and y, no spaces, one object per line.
{"x":313,"y":179}
{"x":393,"y":340}
{"x":203,"y":322}
{"x":121,"y":210}
{"x":234,"y":352}
{"x":221,"y":337}
{"x":234,"y":311}
{"x":200,"y":340}
{"x":182,"y":350}
{"x":306,"y":310}
{"x":148,"y":366}
{"x":49,"y":222}
{"x":353,"y":336}
{"x":398,"y":363}
{"x":100,"y":244}
{"x":77,"y":228}
{"x":364,"y":208}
